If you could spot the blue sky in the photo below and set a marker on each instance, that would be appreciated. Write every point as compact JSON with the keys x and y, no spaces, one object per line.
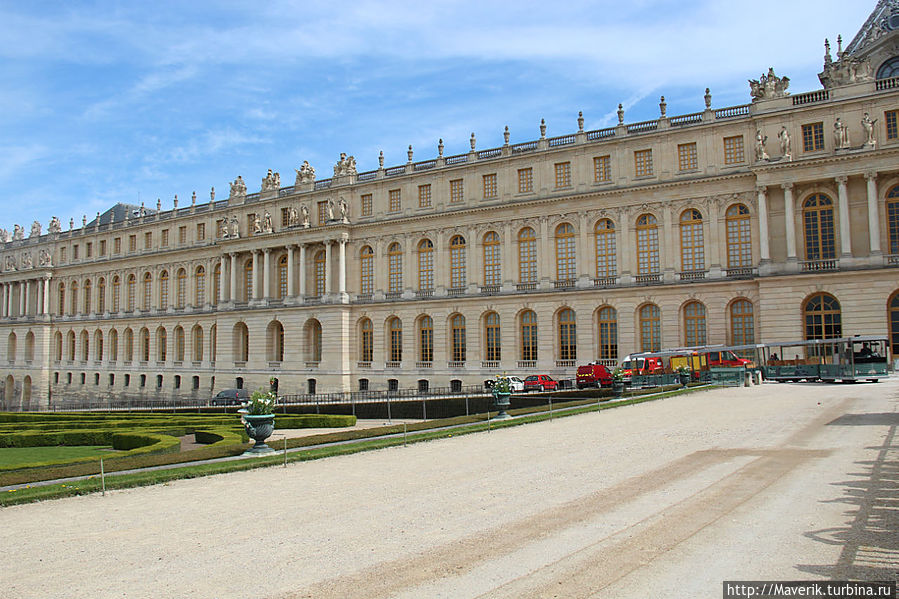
{"x":113,"y":101}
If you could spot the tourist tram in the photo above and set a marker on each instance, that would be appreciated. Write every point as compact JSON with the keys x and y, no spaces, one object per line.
{"x":846,"y":359}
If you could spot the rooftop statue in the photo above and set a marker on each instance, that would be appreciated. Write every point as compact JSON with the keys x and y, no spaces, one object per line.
{"x":18,"y":233}
{"x":4,"y":236}
{"x":35,"y":229}
{"x":768,"y":86}
{"x":305,"y":174}
{"x":345,"y":166}
{"x":271,"y":182}
{"x":238,"y":188}
{"x":54,"y":226}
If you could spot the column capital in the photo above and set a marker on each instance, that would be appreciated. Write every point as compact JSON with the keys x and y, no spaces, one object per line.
{"x":267,"y":251}
{"x":841,"y":179}
{"x":233,"y":254}
{"x":761,"y":189}
{"x":870,"y":175}
{"x":786,"y":186}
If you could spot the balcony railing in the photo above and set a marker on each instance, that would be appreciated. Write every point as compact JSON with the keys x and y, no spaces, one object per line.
{"x":527,"y":363}
{"x":393,"y":364}
{"x":393,"y":295}
{"x":884,"y":84}
{"x":691,"y":275}
{"x":490,"y":364}
{"x":455,"y":291}
{"x":605,"y":281}
{"x":424,"y":293}
{"x":741,"y":272}
{"x":651,"y":279}
{"x":426,"y":364}
{"x":891,"y":259}
{"x":456,"y":364}
{"x":566,"y":363}
{"x":525,"y":286}
{"x":490,"y":289}
{"x":312,"y":363}
{"x":818,"y":265}
{"x":564,"y":284}
{"x":363,"y":364}
{"x":811,"y":97}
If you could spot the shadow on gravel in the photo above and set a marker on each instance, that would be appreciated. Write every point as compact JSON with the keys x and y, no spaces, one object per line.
{"x":870,"y":542}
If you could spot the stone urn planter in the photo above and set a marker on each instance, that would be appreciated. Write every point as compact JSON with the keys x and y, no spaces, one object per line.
{"x":683,"y":378}
{"x":617,"y":388}
{"x":501,"y":400}
{"x":259,"y":428}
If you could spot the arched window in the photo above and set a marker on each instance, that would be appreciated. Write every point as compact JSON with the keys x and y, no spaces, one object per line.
{"x":113,"y":345}
{"x":691,"y":241}
{"x":275,"y":341}
{"x":98,"y":346}
{"x":148,"y":290}
{"x":567,"y":335}
{"x":181,"y":290}
{"x":492,"y":337}
{"x":893,"y":318}
{"x":74,"y":294}
{"x":162,"y":343}
{"x":566,"y":267}
{"x":426,"y":339}
{"x":57,"y":342}
{"x":197,"y":343}
{"x":200,"y":291}
{"x":457,"y":338}
{"x":213,"y":340}
{"x":821,"y":313}
{"x":817,"y":218}
{"x":394,"y":268}
{"x":241,"y":342}
{"x":457,"y":262}
{"x":395,"y":328}
{"x":11,"y":347}
{"x":647,"y":245}
{"x":88,"y":304}
{"x":893,"y":219}
{"x":314,"y":341}
{"x":366,"y":349}
{"x":694,"y":324}
{"x":282,"y":277}
{"x":366,"y":270}
{"x":529,"y":336}
{"x":492,"y":270}
{"x":163,"y":290}
{"x":71,"y":344}
{"x":889,"y":69}
{"x":650,"y":328}
{"x":217,"y":284}
{"x":179,"y":344}
{"x":61,"y":304}
{"x":425,"y":265}
{"x":742,"y":325}
{"x":608,"y":333}
{"x":248,"y":278}
{"x":116,"y":294}
{"x":129,"y":345}
{"x":527,"y":256}
{"x":606,"y":260}
{"x":85,"y":346}
{"x":101,"y":296}
{"x":132,"y":293}
{"x":739,"y":240}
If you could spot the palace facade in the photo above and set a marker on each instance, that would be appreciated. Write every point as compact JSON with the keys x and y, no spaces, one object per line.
{"x":773,"y":220}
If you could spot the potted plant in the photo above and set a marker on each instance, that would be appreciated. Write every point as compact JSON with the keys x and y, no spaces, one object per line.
{"x":502,"y":391}
{"x":259,"y":419}
{"x":683,"y":375}
{"x":617,"y":382}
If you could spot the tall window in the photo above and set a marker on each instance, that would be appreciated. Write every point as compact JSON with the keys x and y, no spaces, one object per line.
{"x":893,"y":317}
{"x":608,"y":334}
{"x":650,"y":328}
{"x":686,"y":157}
{"x":61,"y":303}
{"x":116,"y":294}
{"x":164,"y":290}
{"x":527,"y":256}
{"x":813,"y":137}
{"x":74,"y":298}
{"x":490,"y":189}
{"x":425,"y":264}
{"x":248,"y":279}
{"x":113,"y":345}
{"x":739,"y":239}
{"x":179,"y":344}
{"x":132,"y":292}
{"x":529,"y":335}
{"x":893,"y":219}
{"x":161,"y":344}
{"x":733,"y":150}
{"x":457,"y":332}
{"x":366,"y":204}
{"x":606,"y":261}
{"x":691,"y":241}
{"x":181,"y":291}
{"x":366,"y":341}
{"x":492,"y":273}
{"x":197,"y":344}
{"x":891,"y":117}
{"x":315,"y":341}
{"x":817,"y":218}
{"x":426,"y":339}
{"x":322,"y":212}
{"x":566,"y":267}
{"x":457,"y":262}
{"x":129,"y":345}
{"x":525,"y":180}
{"x":282,"y":277}
{"x":694,"y":324}
{"x":424,"y":196}
{"x":822,"y":316}
{"x":394,"y":268}
{"x":319,"y":268}
{"x":394,"y":200}
{"x":742,"y":325}
{"x":396,"y":340}
{"x":217,"y":283}
{"x":602,"y":169}
{"x":567,"y":335}
{"x":101,"y":296}
{"x":200,"y":291}
{"x":367,"y":270}
{"x":643,"y":163}
{"x":647,"y":245}
{"x":456,"y":191}
{"x":492,"y":337}
{"x":563,"y":174}
{"x":87,"y":297}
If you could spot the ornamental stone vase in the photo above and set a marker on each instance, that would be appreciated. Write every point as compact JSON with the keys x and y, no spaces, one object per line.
{"x":617,"y":388}
{"x":259,"y":428}
{"x":501,"y":400}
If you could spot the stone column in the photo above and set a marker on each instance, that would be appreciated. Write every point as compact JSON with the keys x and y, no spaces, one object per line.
{"x":328,"y":267}
{"x":46,"y":295}
{"x":584,"y":259}
{"x":256,"y":290}
{"x":472,"y":272}
{"x":764,"y":250}
{"x":26,"y":304}
{"x":224,"y":290}
{"x":508,"y":255}
{"x":266,"y":273}
{"x":341,"y":267}
{"x":440,"y":273}
{"x":302,"y":272}
{"x":232,"y":295}
{"x":291,"y":289}
{"x":873,"y":214}
{"x":669,"y":259}
{"x":624,"y":248}
{"x":845,"y":230}
{"x":3,"y":292}
{"x":543,"y":250}
{"x":712,"y":248}
{"x":789,"y":221}
{"x":22,"y":297}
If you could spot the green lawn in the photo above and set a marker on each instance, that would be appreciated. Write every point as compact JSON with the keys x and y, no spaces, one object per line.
{"x":16,"y":456}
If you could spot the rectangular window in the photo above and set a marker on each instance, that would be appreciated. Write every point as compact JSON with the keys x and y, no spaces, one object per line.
{"x":148,"y":240}
{"x":643,"y":163}
{"x":182,"y":235}
{"x":201,"y":231}
{"x":62,"y":254}
{"x":602,"y":169}
{"x":733,"y":149}
{"x":813,"y":137}
{"x":89,"y":250}
{"x":117,"y":245}
{"x":102,"y":247}
{"x":322,"y":212}
{"x":525,"y":180}
{"x":165,"y":238}
{"x":490,"y":191}
{"x":424,"y":196}
{"x":891,"y":117}
{"x":75,"y":252}
{"x":132,"y":243}
{"x":686,"y":157}
{"x":456,"y":194}
{"x":395,"y":200}
{"x":285,"y":217}
{"x":563,"y":174}
{"x":366,"y":204}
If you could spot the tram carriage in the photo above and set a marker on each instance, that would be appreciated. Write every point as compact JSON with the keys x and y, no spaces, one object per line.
{"x":847,"y":359}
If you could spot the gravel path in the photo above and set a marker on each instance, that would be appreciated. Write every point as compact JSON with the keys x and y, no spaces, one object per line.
{"x":667,"y":498}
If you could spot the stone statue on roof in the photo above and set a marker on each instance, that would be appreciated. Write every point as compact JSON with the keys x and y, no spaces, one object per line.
{"x":238,"y":188}
{"x":345,"y":166}
{"x":18,"y":233}
{"x":271,"y":182}
{"x":54,"y":226}
{"x":305,"y":174}
{"x":35,"y":229}
{"x":768,"y":86}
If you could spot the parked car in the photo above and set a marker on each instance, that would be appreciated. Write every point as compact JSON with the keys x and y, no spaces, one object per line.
{"x":727,"y":358}
{"x":540,"y":382}
{"x":230,"y":397}
{"x":637,"y":365}
{"x":516,"y":383}
{"x":593,"y":375}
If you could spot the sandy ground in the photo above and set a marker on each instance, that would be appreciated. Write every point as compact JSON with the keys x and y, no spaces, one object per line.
{"x":663,"y":499}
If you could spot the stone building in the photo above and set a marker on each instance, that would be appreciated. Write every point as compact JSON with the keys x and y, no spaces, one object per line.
{"x":773,"y":220}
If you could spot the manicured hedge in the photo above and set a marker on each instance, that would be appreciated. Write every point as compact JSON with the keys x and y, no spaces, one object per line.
{"x":313,"y":421}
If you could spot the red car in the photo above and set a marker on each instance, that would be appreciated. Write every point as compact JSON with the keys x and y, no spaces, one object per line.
{"x":540,"y":382}
{"x":593,"y":375}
